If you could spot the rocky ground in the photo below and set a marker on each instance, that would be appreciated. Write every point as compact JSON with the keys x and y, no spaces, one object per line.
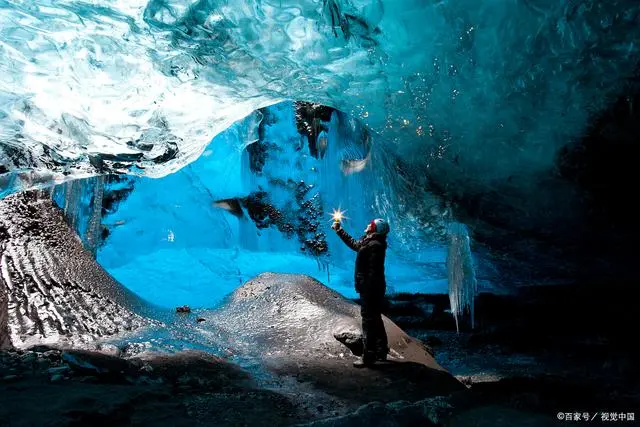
{"x":510,"y":375}
{"x":44,"y":386}
{"x":544,"y":350}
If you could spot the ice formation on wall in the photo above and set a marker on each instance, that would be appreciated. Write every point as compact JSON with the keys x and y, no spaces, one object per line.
{"x":463,"y":285}
{"x":81,"y":201}
{"x":86,"y":201}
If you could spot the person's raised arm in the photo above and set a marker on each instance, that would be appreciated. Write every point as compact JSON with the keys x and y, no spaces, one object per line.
{"x":346,"y":238}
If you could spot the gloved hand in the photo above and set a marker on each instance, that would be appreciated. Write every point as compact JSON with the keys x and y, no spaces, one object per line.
{"x":336,"y":225}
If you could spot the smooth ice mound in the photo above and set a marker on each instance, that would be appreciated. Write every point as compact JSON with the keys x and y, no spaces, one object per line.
{"x":130,"y":86}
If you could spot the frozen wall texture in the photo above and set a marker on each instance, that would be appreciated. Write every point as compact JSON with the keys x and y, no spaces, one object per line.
{"x":142,"y":86}
{"x":463,"y":284}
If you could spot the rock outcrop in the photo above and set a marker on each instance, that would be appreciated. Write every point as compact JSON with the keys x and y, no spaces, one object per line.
{"x":51,"y":288}
{"x":292,"y":323}
{"x":299,"y":316}
{"x":5,"y":340}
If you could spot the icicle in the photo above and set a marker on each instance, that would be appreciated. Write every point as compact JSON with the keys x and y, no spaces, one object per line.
{"x":461,"y":274}
{"x":328,"y":275}
{"x":72,"y":193}
{"x":81,"y":202}
{"x":95,"y":220}
{"x":249,"y":133}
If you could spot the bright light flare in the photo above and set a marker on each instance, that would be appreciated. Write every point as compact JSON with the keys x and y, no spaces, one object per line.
{"x":338,"y":215}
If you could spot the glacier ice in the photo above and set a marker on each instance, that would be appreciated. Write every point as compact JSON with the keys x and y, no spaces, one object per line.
{"x":489,"y":88}
{"x":82,"y":203}
{"x":169,"y":241}
{"x":463,"y":284}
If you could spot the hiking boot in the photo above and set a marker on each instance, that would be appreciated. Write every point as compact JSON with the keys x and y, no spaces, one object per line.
{"x":360,"y":363}
{"x":381,"y":354}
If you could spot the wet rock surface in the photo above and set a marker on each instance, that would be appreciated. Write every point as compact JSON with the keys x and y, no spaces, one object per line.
{"x":519,"y":369}
{"x":298,"y":317}
{"x":195,"y":388}
{"x":74,"y":388}
{"x":301,"y":372}
{"x":352,"y":340}
{"x":302,"y":338}
{"x":290,"y":323}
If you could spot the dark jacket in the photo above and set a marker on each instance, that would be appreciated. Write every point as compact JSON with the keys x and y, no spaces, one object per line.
{"x":369,"y":275}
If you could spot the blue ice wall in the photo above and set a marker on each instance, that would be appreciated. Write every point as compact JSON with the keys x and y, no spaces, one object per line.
{"x":82,"y":202}
{"x":171,"y":244}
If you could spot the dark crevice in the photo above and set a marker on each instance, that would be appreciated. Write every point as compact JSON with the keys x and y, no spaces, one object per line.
{"x":309,"y":122}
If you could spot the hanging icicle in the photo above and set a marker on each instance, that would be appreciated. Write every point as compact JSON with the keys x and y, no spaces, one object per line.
{"x":462,"y":279}
{"x":95,"y":219}
{"x":72,"y":202}
{"x":81,"y":202}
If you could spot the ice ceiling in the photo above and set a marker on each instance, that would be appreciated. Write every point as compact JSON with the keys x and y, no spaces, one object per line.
{"x":142,"y":86}
{"x":465,"y":98}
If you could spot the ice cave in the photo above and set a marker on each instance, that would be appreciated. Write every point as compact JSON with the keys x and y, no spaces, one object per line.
{"x":179,"y":180}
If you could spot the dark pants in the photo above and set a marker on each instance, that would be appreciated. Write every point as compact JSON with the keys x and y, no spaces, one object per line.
{"x":374,"y":336}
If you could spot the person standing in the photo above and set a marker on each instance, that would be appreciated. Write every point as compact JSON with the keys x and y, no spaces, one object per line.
{"x":370,"y":284}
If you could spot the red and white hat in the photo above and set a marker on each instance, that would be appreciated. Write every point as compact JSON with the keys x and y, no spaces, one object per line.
{"x":380,"y":226}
